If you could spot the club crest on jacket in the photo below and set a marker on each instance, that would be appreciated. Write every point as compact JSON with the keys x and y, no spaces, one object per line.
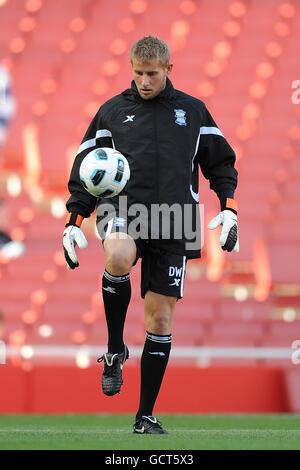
{"x":180,"y":117}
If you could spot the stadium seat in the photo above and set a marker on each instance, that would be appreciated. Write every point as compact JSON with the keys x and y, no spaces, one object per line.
{"x":233,"y":330}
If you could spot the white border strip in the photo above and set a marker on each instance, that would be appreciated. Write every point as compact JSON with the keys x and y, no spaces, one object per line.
{"x":66,"y":351}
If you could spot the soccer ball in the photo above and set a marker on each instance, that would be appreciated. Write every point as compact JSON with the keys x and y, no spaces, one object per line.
{"x":104,"y":172}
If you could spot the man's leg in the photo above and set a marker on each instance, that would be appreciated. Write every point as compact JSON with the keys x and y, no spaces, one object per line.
{"x":162,"y":285}
{"x":120,"y":255}
{"x":158,"y":319}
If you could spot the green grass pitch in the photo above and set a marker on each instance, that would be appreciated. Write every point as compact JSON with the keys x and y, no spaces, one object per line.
{"x":186,"y":432}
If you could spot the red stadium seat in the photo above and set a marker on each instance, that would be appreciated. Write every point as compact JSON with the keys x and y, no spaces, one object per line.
{"x":236,"y":330}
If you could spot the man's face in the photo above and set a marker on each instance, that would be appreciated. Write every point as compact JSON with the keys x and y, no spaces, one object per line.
{"x":150,"y":77}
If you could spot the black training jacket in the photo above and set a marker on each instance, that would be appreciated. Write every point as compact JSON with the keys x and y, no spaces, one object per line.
{"x":164,"y":140}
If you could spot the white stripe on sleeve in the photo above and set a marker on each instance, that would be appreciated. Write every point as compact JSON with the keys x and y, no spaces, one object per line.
{"x":203,"y":131}
{"x":92,"y":142}
{"x":210,"y":130}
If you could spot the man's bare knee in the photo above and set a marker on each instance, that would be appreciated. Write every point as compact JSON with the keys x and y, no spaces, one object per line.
{"x":120,"y":254}
{"x":161,"y":322}
{"x":159,"y":312}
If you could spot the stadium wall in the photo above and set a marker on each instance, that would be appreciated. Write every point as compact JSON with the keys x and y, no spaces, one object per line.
{"x":67,"y":389}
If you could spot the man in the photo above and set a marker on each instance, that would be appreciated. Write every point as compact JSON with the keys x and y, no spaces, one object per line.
{"x":7,"y":104}
{"x":165,"y":135}
{"x":9,"y":248}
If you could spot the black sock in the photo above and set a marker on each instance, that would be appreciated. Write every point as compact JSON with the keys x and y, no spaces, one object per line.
{"x":153,"y":365}
{"x":116,"y":291}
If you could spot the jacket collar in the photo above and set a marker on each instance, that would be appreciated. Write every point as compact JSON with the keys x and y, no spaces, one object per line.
{"x":167,"y":93}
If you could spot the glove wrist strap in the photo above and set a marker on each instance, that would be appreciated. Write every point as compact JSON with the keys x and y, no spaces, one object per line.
{"x":229,"y":204}
{"x":74,"y":219}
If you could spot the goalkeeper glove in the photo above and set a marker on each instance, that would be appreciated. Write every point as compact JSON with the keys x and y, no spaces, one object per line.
{"x":73,"y":236}
{"x":229,"y":234}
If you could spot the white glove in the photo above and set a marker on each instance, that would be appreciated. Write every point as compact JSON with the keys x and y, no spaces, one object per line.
{"x":73,"y":236}
{"x":229,"y":239}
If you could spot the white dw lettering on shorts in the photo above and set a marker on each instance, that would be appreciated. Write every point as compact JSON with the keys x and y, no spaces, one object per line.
{"x":174,"y":271}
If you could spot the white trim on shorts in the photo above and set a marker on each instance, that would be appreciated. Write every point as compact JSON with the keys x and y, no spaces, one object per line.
{"x":182,"y":277}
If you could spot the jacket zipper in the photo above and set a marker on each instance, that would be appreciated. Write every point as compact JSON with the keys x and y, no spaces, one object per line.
{"x":156,"y":154}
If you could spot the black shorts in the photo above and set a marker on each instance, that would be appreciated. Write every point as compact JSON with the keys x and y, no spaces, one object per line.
{"x":162,"y":272}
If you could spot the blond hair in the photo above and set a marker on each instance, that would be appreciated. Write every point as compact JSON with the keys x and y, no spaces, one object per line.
{"x":149,"y":48}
